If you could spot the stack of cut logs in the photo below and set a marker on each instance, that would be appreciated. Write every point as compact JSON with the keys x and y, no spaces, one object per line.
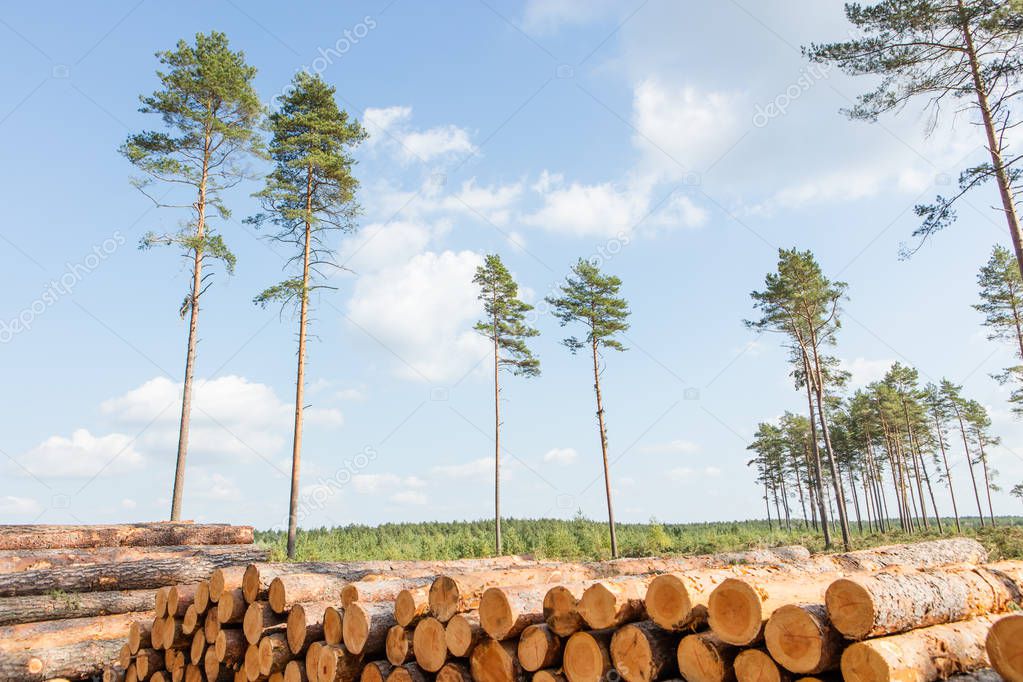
{"x":70,"y":595}
{"x":915,"y":612}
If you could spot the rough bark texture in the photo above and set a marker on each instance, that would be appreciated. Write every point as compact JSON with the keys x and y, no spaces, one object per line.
{"x":399,"y":645}
{"x":337,"y":664}
{"x":643,"y":652}
{"x":364,"y":627}
{"x":920,"y":655}
{"x":896,"y":601}
{"x":274,"y":653}
{"x":260,"y":619}
{"x":286,"y":590}
{"x":122,"y":535}
{"x":462,"y":633}
{"x":305,"y":624}
{"x":72,"y":661}
{"x":493,"y":661}
{"x":61,"y":632}
{"x":224,"y":580}
{"x":613,"y":602}
{"x":802,"y":639}
{"x":128,"y":575}
{"x":539,"y":648}
{"x":587,"y":656}
{"x":381,"y":588}
{"x":375,"y":671}
{"x":14,"y":560}
{"x":429,"y":644}
{"x":704,"y":657}
{"x":756,"y":665}
{"x":73,"y":605}
{"x":451,"y":594}
{"x":1004,"y":646}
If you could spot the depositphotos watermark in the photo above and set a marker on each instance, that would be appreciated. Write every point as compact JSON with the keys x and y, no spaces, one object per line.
{"x":779,"y":106}
{"x":324,"y":489}
{"x":60,"y":287}
{"x":350,"y":37}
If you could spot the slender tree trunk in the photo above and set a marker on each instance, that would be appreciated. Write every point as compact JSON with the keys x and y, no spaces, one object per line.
{"x":785,"y":505}
{"x":855,"y":497}
{"x":497,"y":437}
{"x":826,"y":432}
{"x":948,"y":471}
{"x":799,"y":488}
{"x":303,"y":324}
{"x":767,"y":503}
{"x":969,"y":461}
{"x":994,"y":146}
{"x":914,"y":451}
{"x":603,"y":451}
{"x":868,"y":501}
{"x":193,"y":336}
{"x":987,"y":478}
{"x":922,"y":465}
{"x":816,"y":454}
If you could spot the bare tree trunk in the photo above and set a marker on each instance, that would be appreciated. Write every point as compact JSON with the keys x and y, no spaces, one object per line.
{"x":193,"y":336}
{"x":603,"y":451}
{"x":826,"y":432}
{"x":799,"y":488}
{"x":948,"y":471}
{"x":969,"y":461}
{"x":816,"y":454}
{"x":497,"y":437}
{"x":296,"y":450}
{"x":767,"y":504}
{"x":987,"y":478}
{"x":856,"y":499}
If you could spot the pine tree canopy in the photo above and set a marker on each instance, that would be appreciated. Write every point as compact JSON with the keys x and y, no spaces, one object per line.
{"x":590,"y":297}
{"x":504,"y":320}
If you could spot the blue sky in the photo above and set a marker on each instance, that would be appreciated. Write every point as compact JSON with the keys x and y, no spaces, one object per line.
{"x":681,"y":143}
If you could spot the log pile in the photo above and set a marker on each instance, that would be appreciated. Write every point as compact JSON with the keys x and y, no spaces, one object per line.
{"x":80,"y":602}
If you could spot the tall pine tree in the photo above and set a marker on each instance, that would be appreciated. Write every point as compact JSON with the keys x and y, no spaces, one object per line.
{"x":1001,"y":302}
{"x":210,"y":111}
{"x":309,"y":195}
{"x":504,"y":324}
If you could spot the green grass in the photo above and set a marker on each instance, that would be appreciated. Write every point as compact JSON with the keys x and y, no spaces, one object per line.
{"x":582,"y":539}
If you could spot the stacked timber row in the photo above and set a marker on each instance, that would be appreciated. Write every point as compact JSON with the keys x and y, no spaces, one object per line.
{"x":71,"y":596}
{"x":908,"y":612}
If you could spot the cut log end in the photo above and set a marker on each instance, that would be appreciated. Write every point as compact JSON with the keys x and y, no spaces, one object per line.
{"x":453,"y":672}
{"x":398,"y":646}
{"x":561,"y":610}
{"x":755,"y":665}
{"x":862,"y":663}
{"x":443,"y":598}
{"x":587,"y":657}
{"x":668,"y":603}
{"x":295,"y":671}
{"x":277,"y":595}
{"x":497,"y":617}
{"x":406,"y":673}
{"x":705,"y":658}
{"x":429,"y":644}
{"x":493,"y":661}
{"x":375,"y":671}
{"x":735,"y":612}
{"x":598,"y":606}
{"x":801,"y":639}
{"x":850,"y":608}
{"x":332,"y":621}
{"x":461,"y":634}
{"x":539,"y":648}
{"x":250,"y":583}
{"x":549,"y":676}
{"x":411,"y":605}
{"x":632,"y":654}
{"x":1005,"y":647}
{"x":337,"y":664}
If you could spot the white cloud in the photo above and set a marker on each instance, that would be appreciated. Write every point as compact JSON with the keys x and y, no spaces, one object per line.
{"x":354,"y":394}
{"x":422,"y":313}
{"x":381,"y":245}
{"x":409,"y":497}
{"x":493,"y":202}
{"x":377,"y":483}
{"x":81,"y":456}
{"x":712,"y":471}
{"x":680,"y":473}
{"x":390,"y":128}
{"x":11,"y":506}
{"x":561,"y":455}
{"x":476,"y":468}
{"x":865,"y":371}
{"x":677,"y":446}
{"x":218,"y":487}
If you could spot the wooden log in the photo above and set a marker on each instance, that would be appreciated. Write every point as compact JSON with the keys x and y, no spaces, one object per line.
{"x":60,"y":632}
{"x":224,"y":580}
{"x":231,"y":607}
{"x":230,"y":646}
{"x":124,"y":656}
{"x":375,"y":671}
{"x":648,"y":565}
{"x":462,"y":633}
{"x":156,"y":633}
{"x":738,"y":608}
{"x":197,"y":649}
{"x":364,"y":627}
{"x":201,"y":602}
{"x":173,"y":660}
{"x":429,"y":644}
{"x":274,"y":653}
{"x":211,"y":625}
{"x":179,"y":598}
{"x":211,"y":666}
{"x":160,"y":601}
{"x":193,"y":673}
{"x":613,"y":602}
{"x":398,"y":646}
{"x":147,"y":662}
{"x":704,"y":657}
{"x":250,"y":663}
{"x":173,"y":636}
{"x":305,"y":625}
{"x":259,"y":620}
{"x":73,"y":661}
{"x":587,"y":656}
{"x":642,"y":652}
{"x":494,"y":661}
{"x":128,"y":575}
{"x":295,"y":671}
{"x":409,"y":672}
{"x":451,"y":594}
{"x":190,"y":621}
{"x":380,"y":588}
{"x":756,"y":665}
{"x":286,"y":590}
{"x":504,"y":612}
{"x":333,"y":621}
{"x":312,"y":660}
{"x":453,"y":672}
{"x":678,"y":601}
{"x":802,"y":639}
{"x":895,"y":601}
{"x":336,"y":664}
{"x":923,"y":655}
{"x":61,"y":606}
{"x":1004,"y":644}
{"x":538,"y":648}
{"x":410,"y":605}
{"x":15,"y":537}
{"x":561,"y":608}
{"x":549,"y":675}
{"x":139,"y":634}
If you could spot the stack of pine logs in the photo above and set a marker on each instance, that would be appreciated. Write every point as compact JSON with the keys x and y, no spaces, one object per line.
{"x":71,"y":595}
{"x":907,"y":612}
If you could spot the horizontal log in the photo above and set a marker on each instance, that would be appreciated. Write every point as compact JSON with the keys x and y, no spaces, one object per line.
{"x":381,"y":588}
{"x":15,"y":560}
{"x":259,"y":620}
{"x":613,"y":602}
{"x":429,"y":644}
{"x":462,"y":633}
{"x":75,"y":660}
{"x":62,"y":606}
{"x":295,"y":671}
{"x":643,"y":652}
{"x":293,"y":588}
{"x":506,"y":611}
{"x":122,"y":535}
{"x":561,"y":608}
{"x":375,"y":671}
{"x":494,"y":661}
{"x":704,"y":657}
{"x":410,"y":605}
{"x":454,"y":672}
{"x":336,"y":664}
{"x":364,"y":627}
{"x":802,"y":639}
{"x":538,"y":648}
{"x":587,"y":656}
{"x":305,"y":625}
{"x":410,"y":672}
{"x":398,"y":647}
{"x":1004,"y":646}
{"x":61,"y":632}
{"x":451,"y":594}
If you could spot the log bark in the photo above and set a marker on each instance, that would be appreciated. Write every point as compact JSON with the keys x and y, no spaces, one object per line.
{"x":587,"y":656}
{"x":128,"y":575}
{"x":375,"y":671}
{"x":294,"y":588}
{"x":410,"y":605}
{"x":147,"y":662}
{"x":274,"y":653}
{"x":336,"y":664}
{"x":1004,"y":644}
{"x":15,"y":560}
{"x":493,"y":661}
{"x":409,"y":672}
{"x":504,"y":612}
{"x":923,"y":655}
{"x":462,"y":633}
{"x":451,"y":594}
{"x":703,"y":657}
{"x":75,"y":660}
{"x":364,"y":627}
{"x":231,"y":607}
{"x":896,"y":601}
{"x":539,"y":648}
{"x":561,"y":608}
{"x":122,"y":535}
{"x":139,"y":634}
{"x":646,"y":565}
{"x":429,"y":644}
{"x":229,"y":646}
{"x":39,"y":607}
{"x":305,"y":625}
{"x":179,"y":598}
{"x":756,"y":665}
{"x":259,"y":620}
{"x":614,"y":602}
{"x":642,"y":652}
{"x":381,"y":588}
{"x":453,"y":672}
{"x":224,"y":580}
{"x":802,"y":639}
{"x":399,"y":645}
{"x":60,"y":632}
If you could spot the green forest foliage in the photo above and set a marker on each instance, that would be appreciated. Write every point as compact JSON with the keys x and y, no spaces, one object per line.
{"x":583,"y":539}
